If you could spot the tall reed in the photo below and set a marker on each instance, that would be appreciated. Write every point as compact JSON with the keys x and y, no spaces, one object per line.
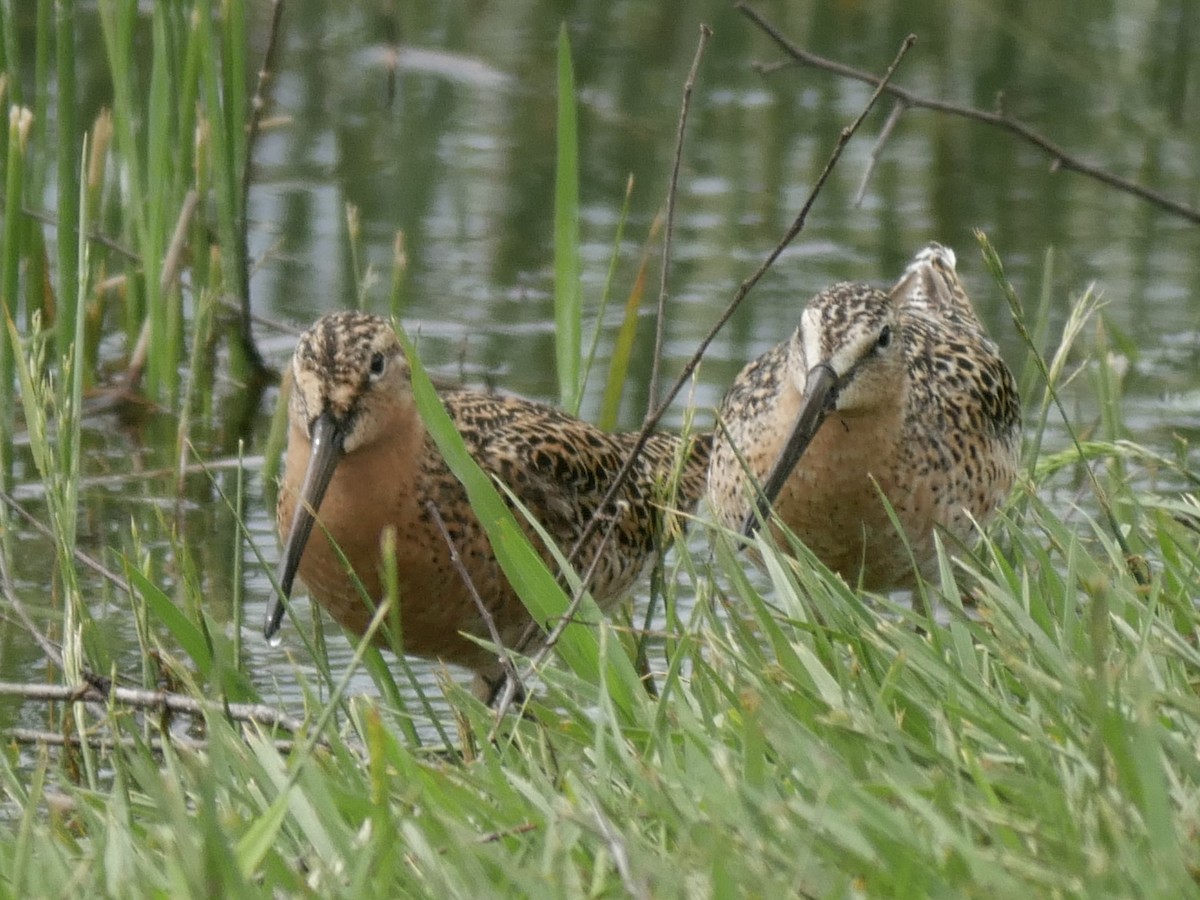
{"x":568,"y":291}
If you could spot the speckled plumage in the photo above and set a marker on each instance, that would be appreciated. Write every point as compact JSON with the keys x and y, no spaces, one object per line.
{"x":351,"y":384}
{"x":919,"y":406}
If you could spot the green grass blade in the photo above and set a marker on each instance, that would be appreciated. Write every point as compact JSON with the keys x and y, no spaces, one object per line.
{"x":67,"y":187}
{"x":618,"y":367}
{"x":523,"y":567}
{"x":608,"y":282}
{"x":185,"y":631}
{"x":224,"y":124}
{"x":568,"y":292}
{"x":262,"y":835}
{"x":19,"y":124}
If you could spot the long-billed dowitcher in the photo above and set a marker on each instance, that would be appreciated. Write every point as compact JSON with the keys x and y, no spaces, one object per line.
{"x":899,"y":394}
{"x":359,"y":457}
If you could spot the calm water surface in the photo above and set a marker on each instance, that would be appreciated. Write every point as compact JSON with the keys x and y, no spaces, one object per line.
{"x":439,"y":123}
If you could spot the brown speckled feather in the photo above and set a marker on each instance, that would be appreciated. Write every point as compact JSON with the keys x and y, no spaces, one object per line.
{"x":923,"y":409}
{"x":349,"y":370}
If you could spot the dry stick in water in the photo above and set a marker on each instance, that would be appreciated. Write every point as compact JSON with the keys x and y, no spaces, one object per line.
{"x":652,"y":415}
{"x":38,"y":738}
{"x":9,"y":593}
{"x":228,"y":301}
{"x":98,"y":688}
{"x":170,"y":271}
{"x":1060,"y":157}
{"x":91,"y":562}
{"x":660,"y":323}
{"x":743,"y":290}
{"x":161,"y":701}
{"x":34,"y":490}
{"x":93,"y":234}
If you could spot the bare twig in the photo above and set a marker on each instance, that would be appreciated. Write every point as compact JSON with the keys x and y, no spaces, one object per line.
{"x":231,"y":303}
{"x":170,"y":271}
{"x":93,"y":235}
{"x":510,"y":688}
{"x":652,"y":420}
{"x":159,"y":701}
{"x":506,"y":663}
{"x":91,"y":562}
{"x":493,"y":836}
{"x":661,"y":320}
{"x":258,"y":104}
{"x":655,"y":417}
{"x":1059,"y":157}
{"x":99,"y":689}
{"x":8,"y":591}
{"x":872,"y":160}
{"x":35,"y":737}
{"x":33,"y":489}
{"x":569,"y":613}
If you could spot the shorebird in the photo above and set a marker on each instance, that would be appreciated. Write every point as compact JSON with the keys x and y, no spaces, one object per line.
{"x":898,"y":395}
{"x":359,"y":459}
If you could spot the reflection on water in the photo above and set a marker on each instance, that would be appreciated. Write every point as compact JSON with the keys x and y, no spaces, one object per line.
{"x":437,"y":120}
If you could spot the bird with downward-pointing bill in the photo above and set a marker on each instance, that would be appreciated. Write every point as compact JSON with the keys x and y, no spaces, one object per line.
{"x":878,"y":399}
{"x":360,"y":463}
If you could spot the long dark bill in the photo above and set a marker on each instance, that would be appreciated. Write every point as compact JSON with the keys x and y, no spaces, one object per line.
{"x":820,"y":392}
{"x":327,"y":440}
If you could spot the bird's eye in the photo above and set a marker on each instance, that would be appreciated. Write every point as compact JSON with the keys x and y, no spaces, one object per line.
{"x":885,"y":338}
{"x":378,"y":366}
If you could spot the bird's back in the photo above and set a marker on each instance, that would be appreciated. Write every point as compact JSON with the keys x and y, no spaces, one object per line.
{"x":963,"y":416}
{"x":958,"y":381}
{"x":560,"y":468}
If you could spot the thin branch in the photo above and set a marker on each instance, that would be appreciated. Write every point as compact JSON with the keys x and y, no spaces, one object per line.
{"x":36,"y":737}
{"x":568,"y":615}
{"x":170,"y":271}
{"x":93,"y":235}
{"x":52,"y":651}
{"x":258,"y":104}
{"x":510,"y":689}
{"x":873,"y":159}
{"x":655,"y":417}
{"x":34,"y":489}
{"x":9,"y":593}
{"x":159,"y":701}
{"x":652,"y":420}
{"x":661,"y":321}
{"x":1059,"y":157}
{"x":493,"y":836}
{"x":99,"y":689}
{"x":91,"y":562}
{"x":231,"y":303}
{"x":506,"y":663}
